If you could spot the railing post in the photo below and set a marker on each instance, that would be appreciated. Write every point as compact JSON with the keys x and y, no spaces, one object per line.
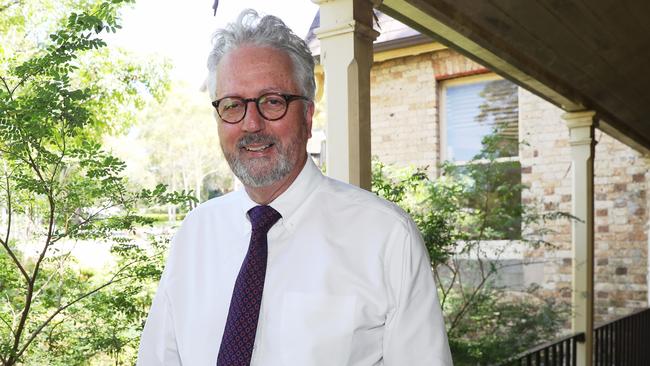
{"x":581,"y":128}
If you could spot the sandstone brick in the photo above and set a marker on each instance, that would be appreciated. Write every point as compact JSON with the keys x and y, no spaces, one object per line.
{"x":640,"y":177}
{"x":637,"y":236}
{"x":620,"y":203}
{"x":550,"y":206}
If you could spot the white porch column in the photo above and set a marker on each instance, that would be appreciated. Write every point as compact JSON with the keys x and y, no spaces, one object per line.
{"x":346,"y":37}
{"x":581,"y":128}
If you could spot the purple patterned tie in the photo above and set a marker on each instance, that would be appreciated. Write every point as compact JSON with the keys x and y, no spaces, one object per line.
{"x":239,"y":334}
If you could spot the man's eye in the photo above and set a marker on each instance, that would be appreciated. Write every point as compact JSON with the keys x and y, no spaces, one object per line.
{"x":272,"y":101}
{"x":231,"y":104}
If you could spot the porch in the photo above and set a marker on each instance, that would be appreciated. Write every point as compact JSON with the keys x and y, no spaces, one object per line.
{"x":561,"y":52}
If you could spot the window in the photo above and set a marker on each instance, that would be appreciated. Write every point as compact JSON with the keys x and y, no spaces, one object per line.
{"x":479,"y":120}
{"x":474,"y":108}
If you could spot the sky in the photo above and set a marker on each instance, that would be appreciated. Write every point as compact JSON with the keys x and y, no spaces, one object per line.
{"x":181,"y":30}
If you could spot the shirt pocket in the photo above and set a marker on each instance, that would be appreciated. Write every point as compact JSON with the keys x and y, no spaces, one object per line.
{"x":316,"y":328}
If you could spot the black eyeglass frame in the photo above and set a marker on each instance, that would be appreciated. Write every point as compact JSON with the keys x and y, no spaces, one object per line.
{"x":288,"y":98}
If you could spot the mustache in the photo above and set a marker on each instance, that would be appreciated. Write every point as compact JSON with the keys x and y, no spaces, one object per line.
{"x":257,"y":138}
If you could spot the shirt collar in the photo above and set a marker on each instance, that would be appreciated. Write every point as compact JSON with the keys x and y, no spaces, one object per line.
{"x":288,"y":203}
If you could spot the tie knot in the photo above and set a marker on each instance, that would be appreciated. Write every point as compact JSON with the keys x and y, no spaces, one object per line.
{"x":263,"y":217}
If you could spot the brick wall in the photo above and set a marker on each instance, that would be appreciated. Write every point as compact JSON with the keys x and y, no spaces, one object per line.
{"x":403,"y":119}
{"x":546,"y":161}
{"x":405,"y":131}
{"x":621,"y":217}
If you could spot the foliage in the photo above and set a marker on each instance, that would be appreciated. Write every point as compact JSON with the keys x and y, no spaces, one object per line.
{"x":460,"y":214}
{"x":502,"y":324}
{"x":178,"y":145}
{"x":59,"y":189}
{"x":492,"y":191}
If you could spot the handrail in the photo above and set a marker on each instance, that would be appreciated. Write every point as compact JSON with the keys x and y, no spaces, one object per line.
{"x":562,"y":349}
{"x":620,"y":341}
{"x":579,"y":337}
{"x":624,"y":341}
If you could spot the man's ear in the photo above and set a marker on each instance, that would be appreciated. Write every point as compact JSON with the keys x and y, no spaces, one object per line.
{"x":309,"y":115}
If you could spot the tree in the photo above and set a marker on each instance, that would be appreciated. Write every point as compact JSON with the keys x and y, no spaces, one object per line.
{"x":183,"y":145}
{"x":59,"y":187}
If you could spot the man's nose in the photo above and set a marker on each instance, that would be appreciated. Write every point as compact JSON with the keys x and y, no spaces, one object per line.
{"x":253,"y":120}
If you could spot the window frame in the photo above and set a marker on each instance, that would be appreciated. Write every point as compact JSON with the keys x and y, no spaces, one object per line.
{"x":442,"y":121}
{"x":442,"y":109}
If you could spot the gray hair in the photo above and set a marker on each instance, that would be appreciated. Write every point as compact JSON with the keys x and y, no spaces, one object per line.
{"x":267,"y":31}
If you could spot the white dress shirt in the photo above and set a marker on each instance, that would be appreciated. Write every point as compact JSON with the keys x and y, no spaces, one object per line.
{"x":348,"y":282}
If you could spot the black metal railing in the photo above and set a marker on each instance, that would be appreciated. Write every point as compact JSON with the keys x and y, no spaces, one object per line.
{"x":557,"y":352}
{"x":624,"y":341}
{"x":621,"y":342}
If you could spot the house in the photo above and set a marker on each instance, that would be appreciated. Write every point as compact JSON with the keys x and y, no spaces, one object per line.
{"x":424,"y":101}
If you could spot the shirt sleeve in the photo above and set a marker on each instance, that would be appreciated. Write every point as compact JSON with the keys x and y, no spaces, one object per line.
{"x":158,"y":345}
{"x":415,"y":331}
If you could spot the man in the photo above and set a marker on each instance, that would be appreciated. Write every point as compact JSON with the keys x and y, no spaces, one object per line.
{"x":297,"y":268}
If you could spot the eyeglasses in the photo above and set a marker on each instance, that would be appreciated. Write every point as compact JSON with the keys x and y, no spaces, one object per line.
{"x":271,"y":106}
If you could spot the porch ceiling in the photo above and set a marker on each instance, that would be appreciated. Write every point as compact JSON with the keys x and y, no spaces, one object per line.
{"x":577,"y":54}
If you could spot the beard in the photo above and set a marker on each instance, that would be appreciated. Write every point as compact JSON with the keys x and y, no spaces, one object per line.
{"x":263,"y":171}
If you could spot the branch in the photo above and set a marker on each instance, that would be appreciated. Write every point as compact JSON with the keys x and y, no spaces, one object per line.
{"x":51,"y":215}
{"x":469,"y":302}
{"x":11,"y":329}
{"x":436,"y":277}
{"x":14,"y":156}
{"x":445,"y":292}
{"x":27,"y":76}
{"x":114,"y":279}
{"x":63,"y":151}
{"x":5,"y":242}
{"x":4,"y":82}
{"x":13,"y":311}
{"x":58,"y":311}
{"x":479,"y":259}
{"x":460,"y":278}
{"x":62,"y":46}
{"x":21,"y":82}
{"x":52,"y":329}
{"x":31,"y":281}
{"x":9,"y":215}
{"x":9,"y":5}
{"x":440,"y":283}
{"x":49,"y":279}
{"x":84,"y":222}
